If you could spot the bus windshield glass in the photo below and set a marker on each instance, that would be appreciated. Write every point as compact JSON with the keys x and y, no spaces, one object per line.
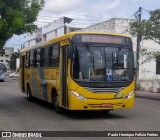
{"x":102,"y":62}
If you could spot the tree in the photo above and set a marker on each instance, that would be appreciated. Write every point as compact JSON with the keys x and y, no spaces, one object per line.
{"x":149,"y":29}
{"x":149,"y":55}
{"x":17,"y":17}
{"x":12,"y":63}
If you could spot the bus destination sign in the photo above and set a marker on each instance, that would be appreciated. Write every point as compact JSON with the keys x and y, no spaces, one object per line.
{"x":105,"y":39}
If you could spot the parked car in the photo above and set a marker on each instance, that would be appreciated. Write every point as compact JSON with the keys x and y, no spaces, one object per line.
{"x":2,"y":77}
{"x":6,"y":74}
{"x":14,"y":75}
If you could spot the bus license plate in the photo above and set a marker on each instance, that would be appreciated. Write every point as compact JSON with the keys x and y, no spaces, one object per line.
{"x":107,"y":105}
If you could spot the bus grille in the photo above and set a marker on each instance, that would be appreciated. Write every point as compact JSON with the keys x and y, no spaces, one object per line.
{"x":102,"y":90}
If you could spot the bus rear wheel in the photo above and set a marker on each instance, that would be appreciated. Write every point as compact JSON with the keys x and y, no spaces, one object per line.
{"x":29,"y":94}
{"x":56,"y":106}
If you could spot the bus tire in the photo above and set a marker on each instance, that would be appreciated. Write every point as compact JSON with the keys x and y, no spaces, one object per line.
{"x":55,"y":103}
{"x":29,"y":94}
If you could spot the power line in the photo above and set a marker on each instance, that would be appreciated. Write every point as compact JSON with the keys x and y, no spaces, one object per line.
{"x":13,"y":44}
{"x":121,"y":21}
{"x":78,"y":23}
{"x":43,"y":17}
{"x":146,"y":10}
{"x":75,"y":22}
{"x":17,"y":39}
{"x":42,"y":21}
{"x":71,"y":14}
{"x":130,"y":6}
{"x":141,"y":12}
{"x":137,"y":15}
{"x":78,"y":19}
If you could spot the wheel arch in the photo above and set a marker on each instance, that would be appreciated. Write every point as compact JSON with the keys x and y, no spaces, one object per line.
{"x":53,"y":93}
{"x":27,"y":86}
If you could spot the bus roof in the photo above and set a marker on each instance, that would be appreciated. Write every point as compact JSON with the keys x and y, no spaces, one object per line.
{"x":67,"y":36}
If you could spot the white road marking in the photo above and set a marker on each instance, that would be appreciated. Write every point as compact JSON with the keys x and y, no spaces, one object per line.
{"x":110,"y":122}
{"x":155,"y":110}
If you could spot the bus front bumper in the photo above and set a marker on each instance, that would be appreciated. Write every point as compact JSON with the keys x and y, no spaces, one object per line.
{"x":96,"y":104}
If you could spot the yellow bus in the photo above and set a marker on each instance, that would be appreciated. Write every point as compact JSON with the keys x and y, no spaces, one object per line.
{"x":80,"y":71}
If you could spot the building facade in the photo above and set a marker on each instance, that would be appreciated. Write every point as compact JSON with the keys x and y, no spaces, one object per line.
{"x":49,"y":31}
{"x":5,"y":56}
{"x":149,"y":69}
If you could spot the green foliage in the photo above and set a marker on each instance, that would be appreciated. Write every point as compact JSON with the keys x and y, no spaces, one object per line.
{"x":158,"y":57}
{"x":17,"y":17}
{"x":12,"y":63}
{"x":150,"y":28}
{"x":138,"y":87}
{"x":149,"y":55}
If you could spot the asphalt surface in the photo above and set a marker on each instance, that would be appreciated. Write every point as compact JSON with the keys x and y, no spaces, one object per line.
{"x":17,"y":114}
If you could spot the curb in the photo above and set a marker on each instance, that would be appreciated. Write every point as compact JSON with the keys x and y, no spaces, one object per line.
{"x":147,"y":95}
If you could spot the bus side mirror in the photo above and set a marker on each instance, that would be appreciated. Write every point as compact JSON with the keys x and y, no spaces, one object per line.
{"x":135,"y":59}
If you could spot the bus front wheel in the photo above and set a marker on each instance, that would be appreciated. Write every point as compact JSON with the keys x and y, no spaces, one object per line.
{"x":55,"y":103}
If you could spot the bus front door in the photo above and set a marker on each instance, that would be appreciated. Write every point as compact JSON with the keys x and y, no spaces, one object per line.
{"x":22,"y":73}
{"x":64,"y":77}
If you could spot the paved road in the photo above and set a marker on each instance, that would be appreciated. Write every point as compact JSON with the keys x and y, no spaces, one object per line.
{"x":16,"y":113}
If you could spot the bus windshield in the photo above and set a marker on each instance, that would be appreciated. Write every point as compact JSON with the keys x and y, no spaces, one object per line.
{"x":102,"y":63}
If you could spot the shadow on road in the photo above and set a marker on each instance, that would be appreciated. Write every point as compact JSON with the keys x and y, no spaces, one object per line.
{"x":80,"y":114}
{"x":40,"y":103}
{"x":93,"y":115}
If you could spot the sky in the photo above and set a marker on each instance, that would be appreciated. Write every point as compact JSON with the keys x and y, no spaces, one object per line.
{"x":87,"y":12}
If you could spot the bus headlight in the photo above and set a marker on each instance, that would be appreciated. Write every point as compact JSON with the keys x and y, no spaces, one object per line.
{"x":129,"y":95}
{"x":78,"y":95}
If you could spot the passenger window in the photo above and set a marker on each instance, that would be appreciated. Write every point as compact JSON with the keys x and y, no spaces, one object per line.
{"x":32,"y":59}
{"x":54,"y":56}
{"x":38,"y":58}
{"x":28,"y":60}
{"x":42,"y":57}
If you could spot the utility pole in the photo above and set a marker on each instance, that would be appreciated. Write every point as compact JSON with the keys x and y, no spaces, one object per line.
{"x":139,"y":37}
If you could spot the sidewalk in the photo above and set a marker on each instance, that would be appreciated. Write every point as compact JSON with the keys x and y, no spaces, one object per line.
{"x":148,"y":95}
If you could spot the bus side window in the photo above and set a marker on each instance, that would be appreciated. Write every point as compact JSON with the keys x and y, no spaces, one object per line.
{"x":28,"y":59}
{"x":42,"y":57}
{"x":46,"y":61}
{"x":32,"y":59}
{"x":37,"y":58}
{"x":54,"y":56}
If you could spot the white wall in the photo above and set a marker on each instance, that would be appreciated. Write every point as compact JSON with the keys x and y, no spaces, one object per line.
{"x":17,"y":63}
{"x":55,"y":33}
{"x":106,"y":26}
{"x":51,"y":27}
{"x":148,"y":69}
{"x":5,"y":61}
{"x":48,"y":32}
{"x":30,"y":36}
{"x":7,"y":57}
